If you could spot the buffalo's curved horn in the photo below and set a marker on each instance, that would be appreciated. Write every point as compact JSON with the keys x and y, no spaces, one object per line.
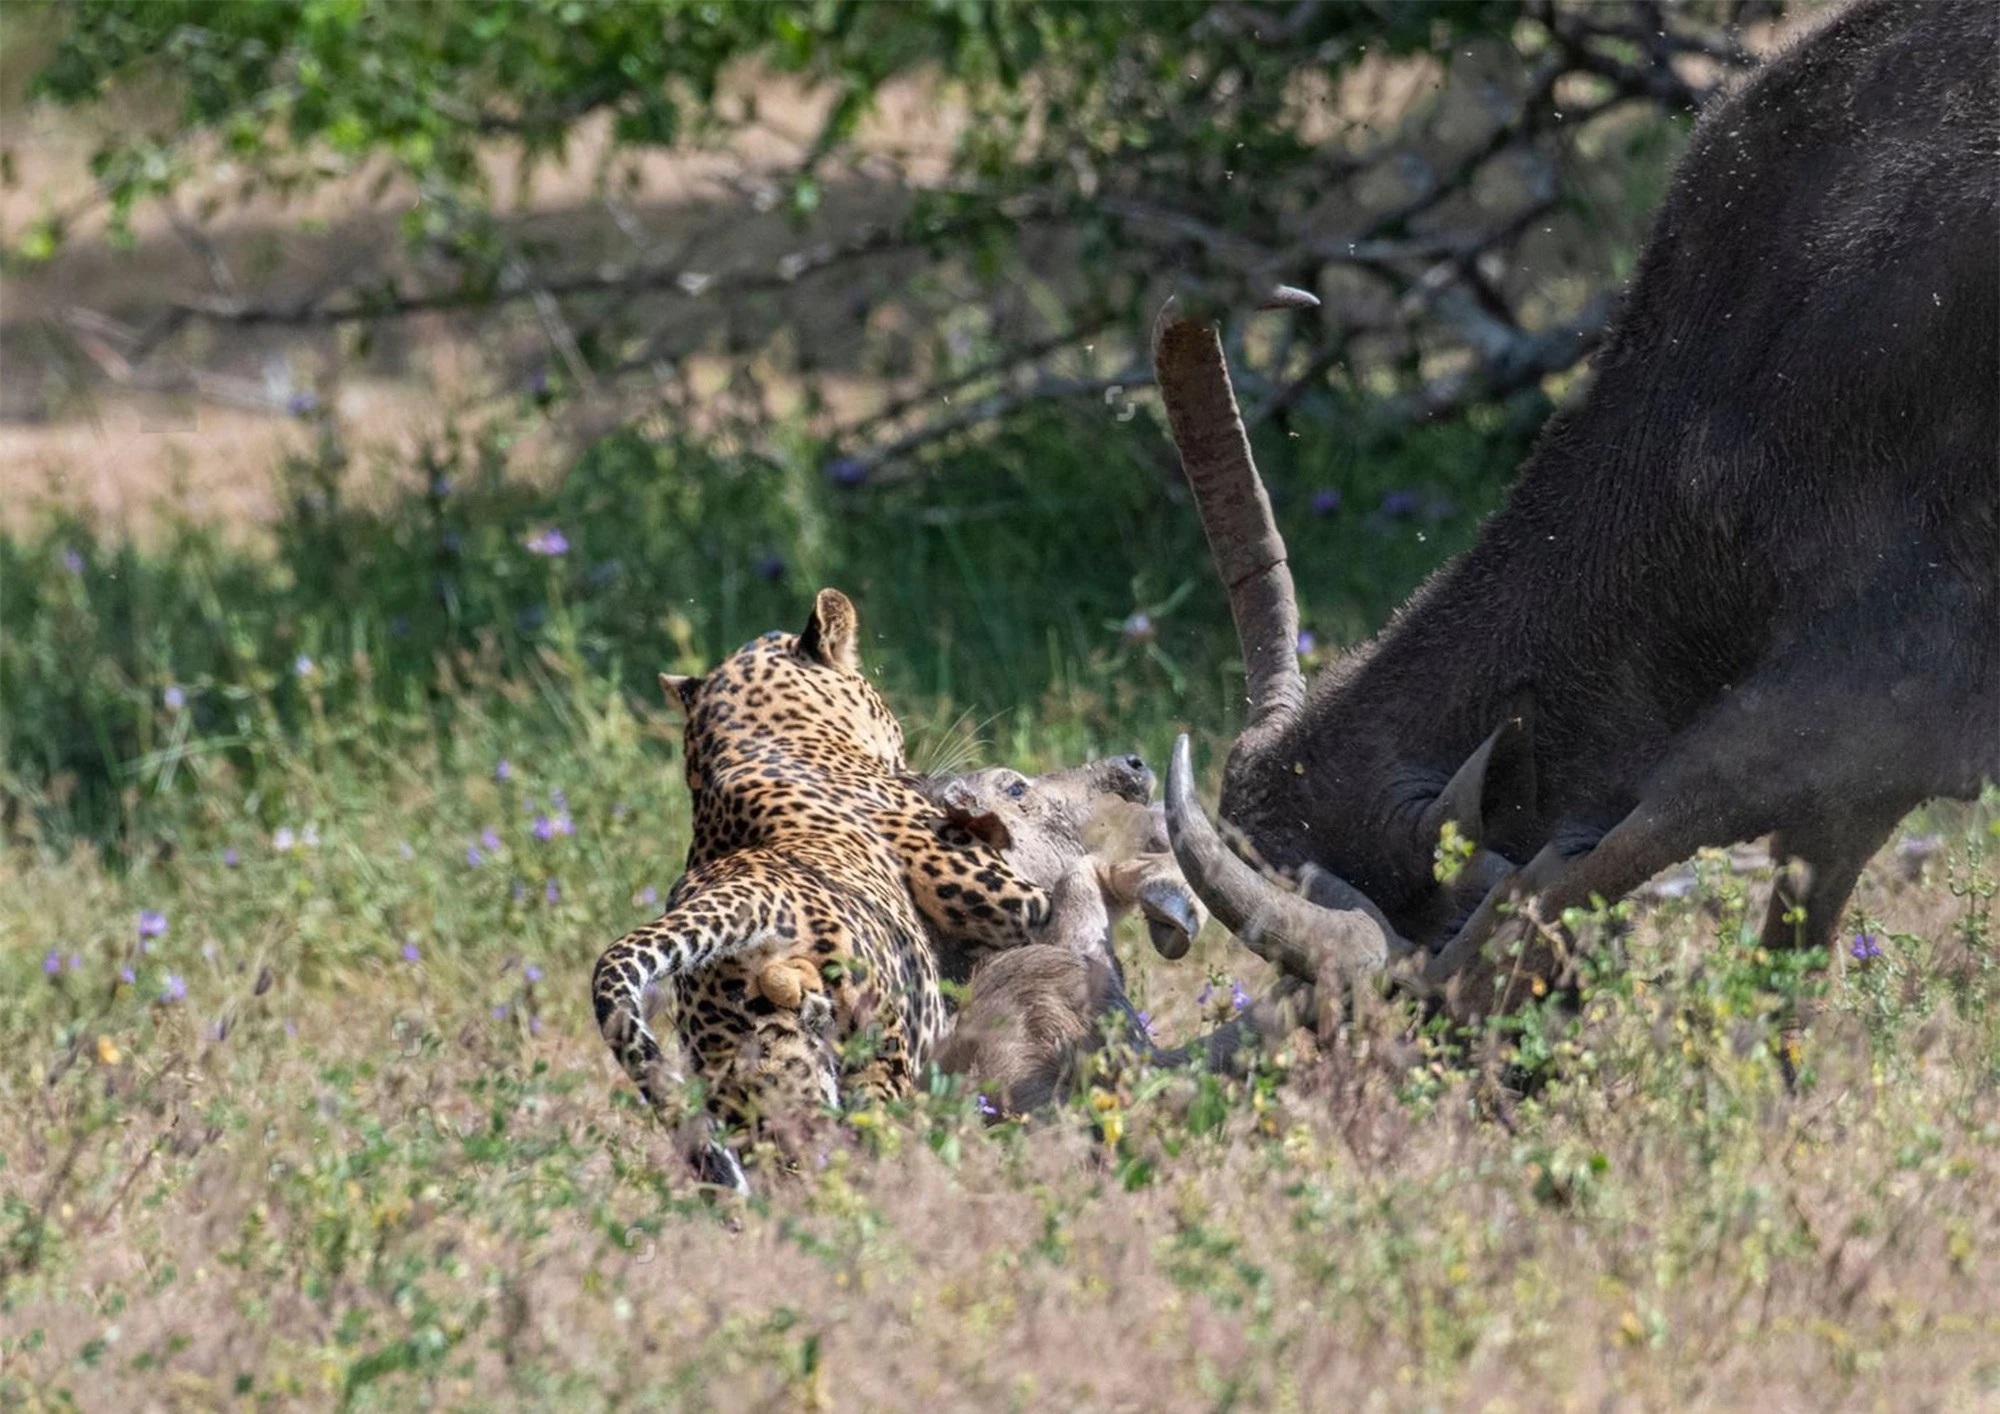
{"x":1235,"y":513}
{"x":1297,"y":935}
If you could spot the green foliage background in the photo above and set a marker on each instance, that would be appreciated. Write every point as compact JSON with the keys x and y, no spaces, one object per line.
{"x":1003,"y":581}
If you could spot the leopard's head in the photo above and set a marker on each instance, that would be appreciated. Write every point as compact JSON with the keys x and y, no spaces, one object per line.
{"x":795,"y":696}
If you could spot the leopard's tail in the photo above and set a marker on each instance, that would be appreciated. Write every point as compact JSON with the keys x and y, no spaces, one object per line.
{"x":689,"y":938}
{"x":626,"y":974}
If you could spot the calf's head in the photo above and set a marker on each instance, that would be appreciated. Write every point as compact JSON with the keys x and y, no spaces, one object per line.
{"x":1095,"y":818}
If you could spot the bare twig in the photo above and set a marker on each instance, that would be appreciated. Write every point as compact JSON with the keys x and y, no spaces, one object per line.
{"x":993,"y":409}
{"x":605,"y":280}
{"x":1012,"y":359}
{"x":1526,"y":360}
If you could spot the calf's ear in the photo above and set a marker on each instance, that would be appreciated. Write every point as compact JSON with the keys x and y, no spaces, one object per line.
{"x":1495,"y":788}
{"x":961,"y":808}
{"x":832,"y":635}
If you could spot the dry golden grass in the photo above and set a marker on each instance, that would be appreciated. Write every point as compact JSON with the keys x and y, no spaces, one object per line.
{"x":388,"y":1181}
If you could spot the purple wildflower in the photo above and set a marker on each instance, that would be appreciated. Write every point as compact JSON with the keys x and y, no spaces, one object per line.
{"x":500,"y":1013}
{"x":72,"y":561}
{"x":1325,"y":503}
{"x":551,"y":892}
{"x":846,"y":471}
{"x":532,"y":973}
{"x":1307,"y":643}
{"x":1238,"y":998}
{"x":650,"y":896}
{"x":490,"y":838}
{"x":302,"y":665}
{"x":1914,"y":851}
{"x":176,"y":989}
{"x":1207,"y":991}
{"x":1398,"y":504}
{"x":128,"y":976}
{"x":174,"y":698}
{"x":230,"y":858}
{"x":284,"y":840}
{"x":403,"y":848}
{"x":410,"y":953}
{"x":303,"y":403}
{"x":550,"y":543}
{"x":987,"y":1107}
{"x":152,"y":924}
{"x":1145,"y":1022}
{"x":1866,"y":946}
{"x":1138,"y":628}
{"x":473,"y":858}
{"x":1919,"y":847}
{"x":503,"y":770}
{"x":548,"y":827}
{"x":76,"y":962}
{"x":52,"y":964}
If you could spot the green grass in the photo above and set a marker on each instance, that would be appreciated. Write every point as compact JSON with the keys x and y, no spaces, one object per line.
{"x":348,"y":1135}
{"x":996,"y":581}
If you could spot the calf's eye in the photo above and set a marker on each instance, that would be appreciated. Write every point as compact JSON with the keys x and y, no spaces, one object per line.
{"x":1017,"y":790}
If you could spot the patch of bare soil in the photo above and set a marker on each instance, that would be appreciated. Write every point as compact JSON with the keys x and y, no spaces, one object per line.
{"x":113,"y":399}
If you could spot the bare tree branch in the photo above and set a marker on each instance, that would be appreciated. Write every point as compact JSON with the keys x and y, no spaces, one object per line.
{"x":606,"y":280}
{"x":989,"y":410}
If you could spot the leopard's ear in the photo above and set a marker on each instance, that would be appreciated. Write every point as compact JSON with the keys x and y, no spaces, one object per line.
{"x":833,"y":634}
{"x":680,"y":690}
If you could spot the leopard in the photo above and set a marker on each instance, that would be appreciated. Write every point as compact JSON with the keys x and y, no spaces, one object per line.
{"x":796,"y":947}
{"x":1093,"y":836}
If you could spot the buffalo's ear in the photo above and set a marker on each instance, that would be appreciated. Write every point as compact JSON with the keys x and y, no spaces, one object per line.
{"x":832,"y":634}
{"x":1495,"y":788}
{"x":680,"y":690}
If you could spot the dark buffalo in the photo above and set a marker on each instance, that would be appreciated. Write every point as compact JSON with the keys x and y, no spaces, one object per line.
{"x":1748,"y":586}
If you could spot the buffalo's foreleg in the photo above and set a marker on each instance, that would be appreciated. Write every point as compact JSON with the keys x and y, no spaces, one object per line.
{"x":1804,"y":914}
{"x":1755,"y":765}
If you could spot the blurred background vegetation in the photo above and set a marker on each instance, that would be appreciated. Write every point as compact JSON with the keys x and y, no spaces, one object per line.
{"x":368,"y":358}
